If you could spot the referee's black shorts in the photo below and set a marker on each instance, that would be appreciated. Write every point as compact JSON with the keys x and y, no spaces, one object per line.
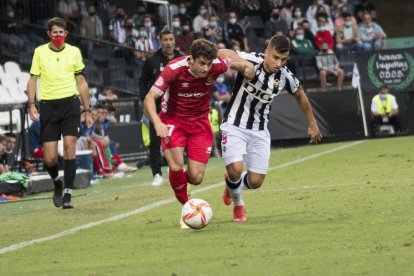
{"x":59,"y":118}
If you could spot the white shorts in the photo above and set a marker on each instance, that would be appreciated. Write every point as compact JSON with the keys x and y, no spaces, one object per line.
{"x":250,"y":146}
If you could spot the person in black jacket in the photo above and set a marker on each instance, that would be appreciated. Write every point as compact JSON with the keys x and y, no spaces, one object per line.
{"x":152,"y":67}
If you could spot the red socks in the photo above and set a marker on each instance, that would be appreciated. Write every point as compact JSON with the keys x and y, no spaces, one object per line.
{"x":178,"y":181}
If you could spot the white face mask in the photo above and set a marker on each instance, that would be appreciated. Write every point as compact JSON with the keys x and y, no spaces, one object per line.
{"x":319,"y":2}
{"x":232,"y":20}
{"x":176,"y":24}
{"x":182,"y":10}
{"x":220,"y":80}
{"x":92,"y":90}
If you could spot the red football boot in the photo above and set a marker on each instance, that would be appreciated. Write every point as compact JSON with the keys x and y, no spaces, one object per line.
{"x":226,"y":195}
{"x":239,"y":215}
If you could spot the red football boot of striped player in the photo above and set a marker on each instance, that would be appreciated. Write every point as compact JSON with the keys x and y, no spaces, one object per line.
{"x":239,"y":215}
{"x":226,"y":195}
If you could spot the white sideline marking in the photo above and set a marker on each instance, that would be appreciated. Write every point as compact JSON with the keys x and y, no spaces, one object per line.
{"x":143,"y":209}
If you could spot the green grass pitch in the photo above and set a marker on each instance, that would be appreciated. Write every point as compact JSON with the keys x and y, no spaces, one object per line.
{"x":330,"y":209}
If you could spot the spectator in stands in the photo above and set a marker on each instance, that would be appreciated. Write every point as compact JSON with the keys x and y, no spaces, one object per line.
{"x":11,"y":143}
{"x":151,"y":31}
{"x":297,"y":19}
{"x":234,"y":32}
{"x":339,"y":20}
{"x":111,"y":115}
{"x":312,"y":10}
{"x":286,"y":13}
{"x":348,"y":37}
{"x":176,"y":25}
{"x":117,"y":30}
{"x":365,"y":8}
{"x":308,"y":33}
{"x":12,"y":27}
{"x":321,"y":12}
{"x":372,"y":34}
{"x":185,"y":19}
{"x":212,"y":31}
{"x":252,"y":8}
{"x":108,"y":95}
{"x":3,"y":155}
{"x":183,"y":41}
{"x":384,"y":110}
{"x":33,"y":135}
{"x":349,"y":5}
{"x":276,"y":3}
{"x":152,"y":67}
{"x":69,"y":10}
{"x":106,"y":11}
{"x":211,"y":8}
{"x":221,"y":95}
{"x":201,"y":20}
{"x":144,"y":48}
{"x":162,"y":13}
{"x":138,"y":17}
{"x":327,"y":62}
{"x":336,"y":8}
{"x":91,"y":27}
{"x":323,"y":35}
{"x":302,"y":48}
{"x":275,"y":24}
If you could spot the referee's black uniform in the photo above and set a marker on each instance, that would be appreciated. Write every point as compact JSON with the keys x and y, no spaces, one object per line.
{"x":152,"y":68}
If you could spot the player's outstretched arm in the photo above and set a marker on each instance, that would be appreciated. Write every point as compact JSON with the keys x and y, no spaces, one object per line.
{"x":150,"y":111}
{"x":237,"y":63}
{"x":313,"y":130}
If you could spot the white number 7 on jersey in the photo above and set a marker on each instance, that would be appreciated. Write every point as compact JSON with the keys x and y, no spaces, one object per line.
{"x":170,"y":129}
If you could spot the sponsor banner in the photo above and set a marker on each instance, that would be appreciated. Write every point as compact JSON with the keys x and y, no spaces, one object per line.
{"x":394,"y":68}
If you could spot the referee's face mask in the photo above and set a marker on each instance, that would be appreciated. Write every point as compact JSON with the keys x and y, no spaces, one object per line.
{"x":57,"y":36}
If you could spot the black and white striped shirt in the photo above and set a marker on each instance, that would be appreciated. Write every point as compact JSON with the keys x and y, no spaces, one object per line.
{"x":249,"y":106}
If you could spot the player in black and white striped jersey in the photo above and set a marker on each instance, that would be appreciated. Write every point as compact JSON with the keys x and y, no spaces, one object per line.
{"x":244,"y":130}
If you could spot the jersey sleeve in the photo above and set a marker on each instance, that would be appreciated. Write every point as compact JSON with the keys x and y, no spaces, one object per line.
{"x":35,"y":69}
{"x":163,"y":81}
{"x":78,"y":66}
{"x":292,"y":84}
{"x":220,"y":65}
{"x":252,"y":57}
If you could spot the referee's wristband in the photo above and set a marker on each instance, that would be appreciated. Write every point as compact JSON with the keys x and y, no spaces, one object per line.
{"x":87,"y":110}
{"x":31,"y":103}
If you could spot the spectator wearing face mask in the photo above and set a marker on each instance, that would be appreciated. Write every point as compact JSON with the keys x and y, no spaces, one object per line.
{"x":327,"y":62}
{"x":176,"y":25}
{"x":184,"y":40}
{"x":384,"y":110}
{"x":365,"y":8}
{"x":275,"y":24}
{"x":143,"y":46}
{"x":286,"y":13}
{"x":321,"y":12}
{"x":323,"y":35}
{"x":312,"y":9}
{"x":200,"y":20}
{"x":212,"y":31}
{"x":234,"y":33}
{"x":117,"y":30}
{"x":302,"y":47}
{"x":372,"y":35}
{"x":297,"y":19}
{"x":151,"y":31}
{"x":138,"y":17}
{"x":339,"y":20}
{"x":221,"y":95}
{"x":91,"y":27}
{"x":348,"y":37}
{"x":185,"y":18}
{"x":308,"y":33}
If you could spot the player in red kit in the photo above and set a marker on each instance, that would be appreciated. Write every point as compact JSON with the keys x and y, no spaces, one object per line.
{"x":186,"y":86}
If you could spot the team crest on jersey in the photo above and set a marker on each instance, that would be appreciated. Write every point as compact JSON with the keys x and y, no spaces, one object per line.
{"x":160,"y":81}
{"x":276,"y":83}
{"x":209,"y":81}
{"x":184,"y":84}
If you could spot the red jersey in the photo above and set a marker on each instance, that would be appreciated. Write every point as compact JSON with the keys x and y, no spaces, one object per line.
{"x":186,"y":96}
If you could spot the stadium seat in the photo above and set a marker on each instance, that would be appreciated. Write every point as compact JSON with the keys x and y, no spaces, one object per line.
{"x":89,"y":64}
{"x":4,"y":96}
{"x":94,"y":76}
{"x":22,"y":80}
{"x":1,"y":70}
{"x":10,"y":83}
{"x":12,"y":68}
{"x":100,"y":55}
{"x":347,"y":63}
{"x":117,"y":63}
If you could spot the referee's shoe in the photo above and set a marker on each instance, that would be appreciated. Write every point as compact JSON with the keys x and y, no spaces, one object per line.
{"x":57,"y":194}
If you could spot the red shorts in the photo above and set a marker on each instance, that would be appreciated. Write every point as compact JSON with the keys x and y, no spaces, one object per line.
{"x":37,"y":153}
{"x":195,"y":136}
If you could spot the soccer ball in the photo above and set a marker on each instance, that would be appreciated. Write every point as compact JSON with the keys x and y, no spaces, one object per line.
{"x":196,"y":213}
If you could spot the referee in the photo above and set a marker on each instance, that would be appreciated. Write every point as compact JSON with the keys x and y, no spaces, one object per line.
{"x":59,"y":68}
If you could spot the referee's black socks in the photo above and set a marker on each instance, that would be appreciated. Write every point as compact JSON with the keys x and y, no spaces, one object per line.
{"x":70,"y":172}
{"x":53,"y":171}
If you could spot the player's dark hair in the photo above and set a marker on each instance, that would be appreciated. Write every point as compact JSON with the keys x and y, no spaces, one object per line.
{"x":56,"y":21}
{"x":203,"y":48}
{"x":280,"y":43}
{"x":165,"y":31}
{"x":9,"y":134}
{"x":100,"y":106}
